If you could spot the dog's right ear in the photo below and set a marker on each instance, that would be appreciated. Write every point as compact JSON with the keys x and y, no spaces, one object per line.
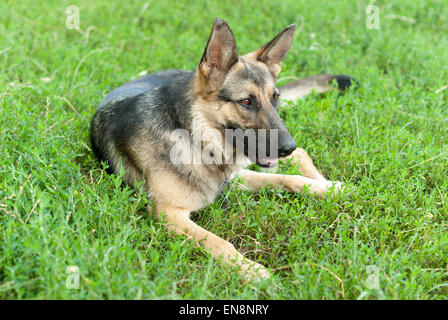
{"x":273,"y":52}
{"x":219,"y":55}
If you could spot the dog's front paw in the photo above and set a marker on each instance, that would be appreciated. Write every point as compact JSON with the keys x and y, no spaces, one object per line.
{"x":315,"y":187}
{"x":333,"y":187}
{"x":254,"y":271}
{"x":326,"y":187}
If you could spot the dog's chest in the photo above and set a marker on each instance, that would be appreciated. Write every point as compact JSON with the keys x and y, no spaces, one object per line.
{"x":212,"y":181}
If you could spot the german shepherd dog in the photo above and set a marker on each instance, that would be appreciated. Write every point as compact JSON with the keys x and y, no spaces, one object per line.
{"x":132,"y":130}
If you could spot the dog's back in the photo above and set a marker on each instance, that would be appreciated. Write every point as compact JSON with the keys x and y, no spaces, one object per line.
{"x":148,"y":108}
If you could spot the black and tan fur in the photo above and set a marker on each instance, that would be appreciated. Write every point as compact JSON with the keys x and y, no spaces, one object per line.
{"x":131,"y":129}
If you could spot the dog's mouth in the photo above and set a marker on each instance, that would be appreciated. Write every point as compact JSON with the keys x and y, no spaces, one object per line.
{"x":269,"y":160}
{"x":267,"y":163}
{"x":264,"y":162}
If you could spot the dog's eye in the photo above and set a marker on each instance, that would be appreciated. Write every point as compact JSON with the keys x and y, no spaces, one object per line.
{"x":245,"y":102}
{"x":276,"y":96}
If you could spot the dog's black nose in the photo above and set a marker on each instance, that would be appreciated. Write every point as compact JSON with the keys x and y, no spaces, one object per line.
{"x":286,"y":150}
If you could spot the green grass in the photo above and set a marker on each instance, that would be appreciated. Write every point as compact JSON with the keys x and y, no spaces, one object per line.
{"x":387,"y":140}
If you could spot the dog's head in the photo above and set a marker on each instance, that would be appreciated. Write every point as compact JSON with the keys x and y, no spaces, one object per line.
{"x":239,"y":92}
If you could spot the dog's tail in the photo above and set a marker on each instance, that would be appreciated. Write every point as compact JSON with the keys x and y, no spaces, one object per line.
{"x":319,"y":83}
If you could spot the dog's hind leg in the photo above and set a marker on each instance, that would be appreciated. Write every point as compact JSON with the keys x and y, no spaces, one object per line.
{"x":179,"y":221}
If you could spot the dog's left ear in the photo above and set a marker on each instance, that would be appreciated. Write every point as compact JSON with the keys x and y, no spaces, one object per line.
{"x":219,"y":55}
{"x":273,"y":52}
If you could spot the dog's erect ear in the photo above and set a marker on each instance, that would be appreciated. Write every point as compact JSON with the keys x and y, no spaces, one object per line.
{"x":273,"y":52}
{"x":219,"y":54}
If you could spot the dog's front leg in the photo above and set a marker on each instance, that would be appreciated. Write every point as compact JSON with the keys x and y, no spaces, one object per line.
{"x":179,"y":221}
{"x":301,"y":158}
{"x":253,"y":181}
